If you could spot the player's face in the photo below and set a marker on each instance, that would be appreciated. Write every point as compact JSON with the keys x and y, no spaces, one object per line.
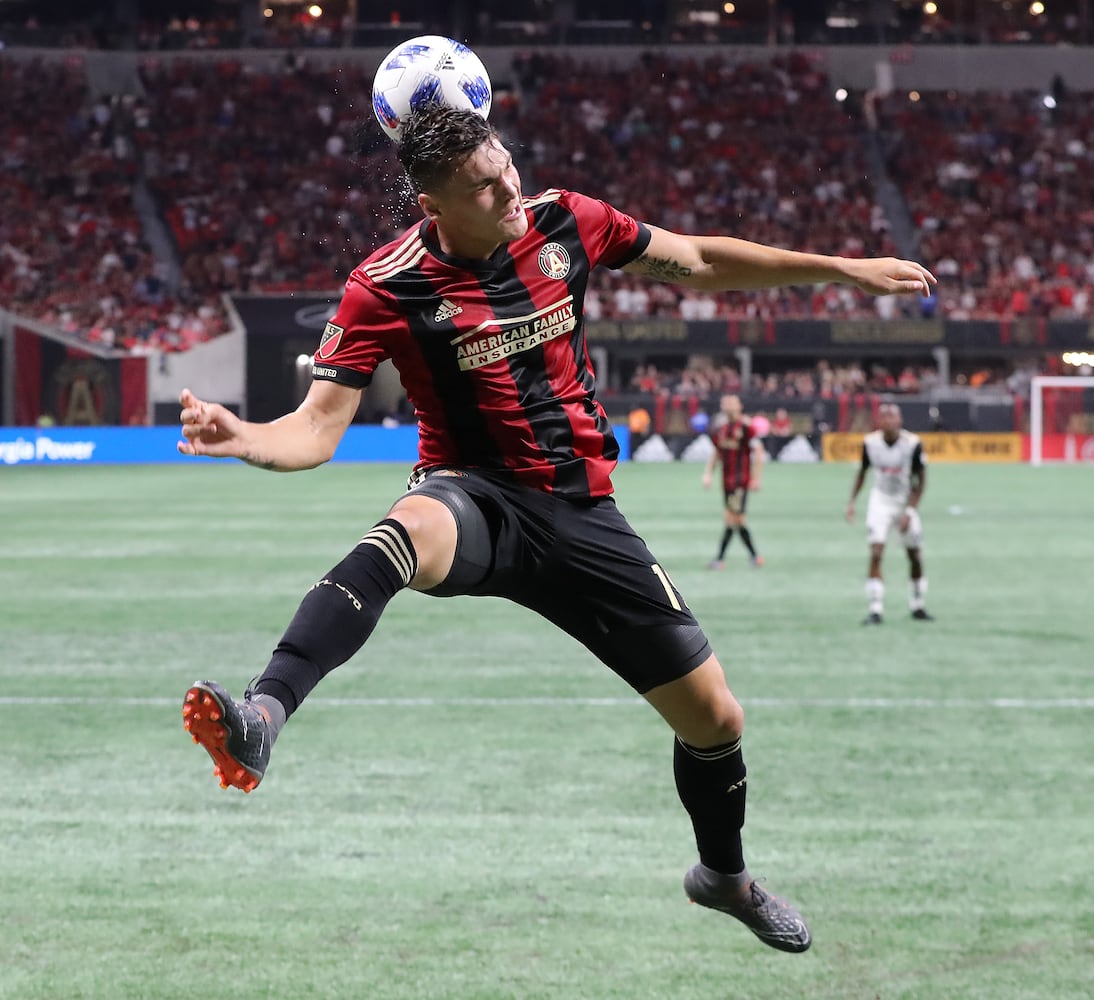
{"x":731,"y":406}
{"x":479,"y":207}
{"x":889,"y":421}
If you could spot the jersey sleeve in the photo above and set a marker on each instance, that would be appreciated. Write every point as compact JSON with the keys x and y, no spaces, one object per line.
{"x":353,"y":341}
{"x":610,"y":237}
{"x":919,"y":457}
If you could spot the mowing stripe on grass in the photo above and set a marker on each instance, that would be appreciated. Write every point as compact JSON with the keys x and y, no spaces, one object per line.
{"x":865,"y":703}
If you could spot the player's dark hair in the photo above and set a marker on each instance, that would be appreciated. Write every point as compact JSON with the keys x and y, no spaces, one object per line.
{"x":436,"y":140}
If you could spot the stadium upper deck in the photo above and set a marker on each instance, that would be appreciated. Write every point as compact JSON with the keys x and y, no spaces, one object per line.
{"x":206,"y":24}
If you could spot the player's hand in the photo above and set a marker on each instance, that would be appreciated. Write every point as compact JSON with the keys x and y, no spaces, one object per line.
{"x":905,"y":520}
{"x":849,"y":513}
{"x":890,"y":276}
{"x":706,"y":480}
{"x":208,"y":428}
{"x":754,"y":486}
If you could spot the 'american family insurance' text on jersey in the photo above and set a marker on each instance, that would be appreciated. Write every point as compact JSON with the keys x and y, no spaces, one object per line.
{"x":492,"y":353}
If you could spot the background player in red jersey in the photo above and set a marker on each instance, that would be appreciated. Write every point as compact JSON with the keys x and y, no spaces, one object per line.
{"x":740,"y":452}
{"x":480,"y":308}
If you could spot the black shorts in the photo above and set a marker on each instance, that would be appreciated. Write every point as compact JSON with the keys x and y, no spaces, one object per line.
{"x":580,"y":565}
{"x":737,"y":499}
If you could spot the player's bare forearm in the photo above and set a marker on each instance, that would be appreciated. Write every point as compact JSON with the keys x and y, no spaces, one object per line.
{"x":303,"y":439}
{"x":856,"y":486}
{"x":289,"y":444}
{"x":919,"y":485}
{"x":286,"y":445}
{"x":722,"y":263}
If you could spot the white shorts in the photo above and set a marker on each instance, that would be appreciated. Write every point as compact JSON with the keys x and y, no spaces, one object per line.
{"x":883,"y":514}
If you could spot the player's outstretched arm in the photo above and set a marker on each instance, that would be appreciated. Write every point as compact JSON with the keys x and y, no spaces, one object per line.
{"x":303,"y":439}
{"x":722,"y":263}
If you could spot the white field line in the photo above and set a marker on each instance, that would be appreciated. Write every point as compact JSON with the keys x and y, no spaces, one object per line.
{"x":576,"y":702}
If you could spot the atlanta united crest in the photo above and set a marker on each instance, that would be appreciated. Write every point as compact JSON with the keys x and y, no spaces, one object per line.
{"x":554,"y":261}
{"x":332,"y":335}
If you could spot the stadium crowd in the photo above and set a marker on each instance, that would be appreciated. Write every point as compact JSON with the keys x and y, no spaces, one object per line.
{"x":713,"y":148}
{"x":824,"y":380}
{"x":222,"y":24}
{"x":253,"y":174}
{"x":72,"y":250}
{"x":1001,"y":189}
{"x":251,"y":170}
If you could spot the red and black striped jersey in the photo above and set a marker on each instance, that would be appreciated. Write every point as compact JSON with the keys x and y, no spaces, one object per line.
{"x":492,"y":353}
{"x":733,"y":439}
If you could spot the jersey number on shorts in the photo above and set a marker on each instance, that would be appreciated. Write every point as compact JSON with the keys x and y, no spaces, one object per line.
{"x":670,"y":590}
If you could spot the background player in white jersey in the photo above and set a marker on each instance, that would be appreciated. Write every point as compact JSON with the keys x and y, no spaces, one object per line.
{"x":900,"y":478}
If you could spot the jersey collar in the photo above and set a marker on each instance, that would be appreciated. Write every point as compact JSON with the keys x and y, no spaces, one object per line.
{"x":428,"y":232}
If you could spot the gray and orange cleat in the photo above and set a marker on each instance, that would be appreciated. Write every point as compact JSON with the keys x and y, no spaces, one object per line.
{"x":773,"y":920}
{"x":236,"y":734}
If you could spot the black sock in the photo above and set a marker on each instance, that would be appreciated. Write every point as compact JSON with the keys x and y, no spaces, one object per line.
{"x":711,"y":783}
{"x":339,"y":613}
{"x":726,"y":536}
{"x":746,"y":537}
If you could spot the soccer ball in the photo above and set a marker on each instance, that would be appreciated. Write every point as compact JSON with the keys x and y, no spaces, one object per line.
{"x":430,"y":69}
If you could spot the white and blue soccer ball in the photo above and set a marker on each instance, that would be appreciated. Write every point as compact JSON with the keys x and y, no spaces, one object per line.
{"x":430,"y":69}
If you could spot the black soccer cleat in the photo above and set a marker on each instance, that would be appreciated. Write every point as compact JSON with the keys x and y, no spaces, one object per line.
{"x":873,"y":618}
{"x":236,"y":734}
{"x":773,"y":920}
{"x":922,"y":615}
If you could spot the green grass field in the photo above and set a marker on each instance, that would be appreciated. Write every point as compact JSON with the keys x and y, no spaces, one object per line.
{"x":475,"y":809}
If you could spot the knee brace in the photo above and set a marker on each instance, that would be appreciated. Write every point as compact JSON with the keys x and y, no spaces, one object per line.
{"x":474,"y":556}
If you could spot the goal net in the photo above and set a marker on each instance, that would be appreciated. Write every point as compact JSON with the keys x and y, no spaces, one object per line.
{"x":1061,"y":419}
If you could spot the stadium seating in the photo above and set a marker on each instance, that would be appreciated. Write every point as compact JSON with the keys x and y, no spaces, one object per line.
{"x":248,"y":165}
{"x":1001,"y":190}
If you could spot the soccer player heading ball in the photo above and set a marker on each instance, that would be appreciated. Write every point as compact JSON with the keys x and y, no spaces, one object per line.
{"x":479,"y":306}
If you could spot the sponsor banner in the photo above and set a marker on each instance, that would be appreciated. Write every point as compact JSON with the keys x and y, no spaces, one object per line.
{"x":306,"y":315}
{"x":155,"y":445}
{"x":658,"y":334}
{"x":897,"y":332}
{"x":1063,"y":447}
{"x":939,"y":446}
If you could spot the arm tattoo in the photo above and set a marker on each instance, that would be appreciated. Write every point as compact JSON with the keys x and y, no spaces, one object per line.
{"x":663,"y":268}
{"x":259,"y":463}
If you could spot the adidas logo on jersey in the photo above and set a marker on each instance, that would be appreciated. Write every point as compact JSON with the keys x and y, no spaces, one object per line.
{"x":446,"y":310}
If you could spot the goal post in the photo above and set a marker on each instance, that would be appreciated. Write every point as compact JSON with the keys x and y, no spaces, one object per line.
{"x":1061,"y":419}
